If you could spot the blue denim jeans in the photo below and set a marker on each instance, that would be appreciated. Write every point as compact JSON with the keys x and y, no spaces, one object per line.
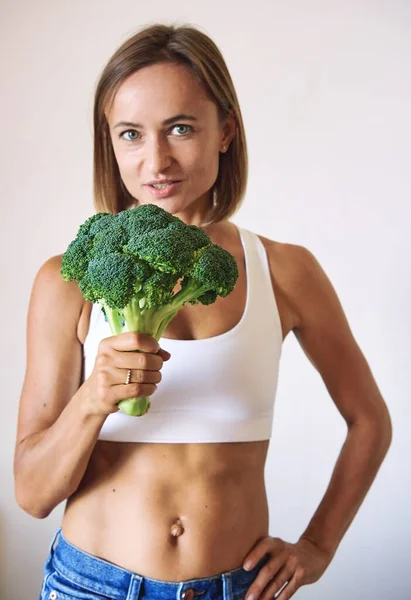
{"x":71,"y":573}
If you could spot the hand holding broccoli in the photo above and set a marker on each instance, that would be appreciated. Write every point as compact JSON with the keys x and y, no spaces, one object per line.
{"x":105,"y":387}
{"x":132,"y":261}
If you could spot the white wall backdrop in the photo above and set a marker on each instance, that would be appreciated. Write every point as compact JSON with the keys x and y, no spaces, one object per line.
{"x":325,"y":92}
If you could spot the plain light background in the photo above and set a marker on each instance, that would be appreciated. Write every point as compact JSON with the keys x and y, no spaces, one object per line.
{"x":325,"y":93}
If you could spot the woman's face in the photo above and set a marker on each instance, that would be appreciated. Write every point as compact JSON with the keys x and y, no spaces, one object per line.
{"x":152,"y":139}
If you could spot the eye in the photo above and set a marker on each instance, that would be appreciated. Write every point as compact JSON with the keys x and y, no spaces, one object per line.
{"x":132,"y":138}
{"x":129,"y":131}
{"x":187,"y":126}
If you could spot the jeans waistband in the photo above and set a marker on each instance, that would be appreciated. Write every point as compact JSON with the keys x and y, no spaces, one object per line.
{"x":100,"y":576}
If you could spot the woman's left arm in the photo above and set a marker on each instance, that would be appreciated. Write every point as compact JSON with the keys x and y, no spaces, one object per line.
{"x":327,"y":340}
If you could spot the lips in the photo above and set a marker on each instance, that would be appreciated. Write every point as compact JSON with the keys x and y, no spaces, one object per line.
{"x":163,"y":181}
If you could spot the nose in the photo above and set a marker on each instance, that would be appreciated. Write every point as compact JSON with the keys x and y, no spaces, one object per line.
{"x":158,"y":155}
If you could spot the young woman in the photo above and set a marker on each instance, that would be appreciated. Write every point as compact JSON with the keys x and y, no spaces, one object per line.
{"x":172,"y":505}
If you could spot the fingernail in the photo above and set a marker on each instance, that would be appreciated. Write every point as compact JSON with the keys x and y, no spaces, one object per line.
{"x":250,"y":597}
{"x":247,"y":567}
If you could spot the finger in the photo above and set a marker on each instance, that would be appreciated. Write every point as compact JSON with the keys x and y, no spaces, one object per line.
{"x":289,"y":590}
{"x":132,"y":390}
{"x":164,"y":354}
{"x":137,"y":360}
{"x":283,"y":576}
{"x":136,"y":376}
{"x":130,"y":341}
{"x":265,"y":545}
{"x":266,"y":575}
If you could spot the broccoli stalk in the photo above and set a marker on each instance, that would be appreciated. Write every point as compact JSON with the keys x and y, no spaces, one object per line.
{"x":131,"y":262}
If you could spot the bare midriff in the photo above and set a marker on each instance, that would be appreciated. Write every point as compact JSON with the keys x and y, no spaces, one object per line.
{"x":171,"y":511}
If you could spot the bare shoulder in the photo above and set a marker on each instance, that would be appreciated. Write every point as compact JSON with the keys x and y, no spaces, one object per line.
{"x":51,"y":290}
{"x":49,"y":278}
{"x":296,"y":269}
{"x":289,"y":264}
{"x":277,"y":250}
{"x":305,"y":286}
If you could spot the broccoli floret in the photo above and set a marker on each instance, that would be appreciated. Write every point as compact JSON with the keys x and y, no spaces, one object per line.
{"x":164,"y":249}
{"x":76,"y":258}
{"x":132,"y":262}
{"x":84,"y":229}
{"x":148,"y":220}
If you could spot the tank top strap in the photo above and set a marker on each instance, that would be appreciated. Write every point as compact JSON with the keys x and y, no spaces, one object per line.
{"x":261,"y":301}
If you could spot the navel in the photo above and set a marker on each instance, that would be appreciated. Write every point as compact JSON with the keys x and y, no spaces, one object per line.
{"x":177,"y":528}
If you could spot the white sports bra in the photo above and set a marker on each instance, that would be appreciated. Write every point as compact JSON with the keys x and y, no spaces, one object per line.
{"x":218,"y":389}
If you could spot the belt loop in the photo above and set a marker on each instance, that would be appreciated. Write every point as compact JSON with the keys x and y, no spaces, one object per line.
{"x":134,"y":587}
{"x":52,"y":545}
{"x":227,"y":586}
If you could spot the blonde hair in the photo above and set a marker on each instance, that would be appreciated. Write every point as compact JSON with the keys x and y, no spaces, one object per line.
{"x":184,"y":45}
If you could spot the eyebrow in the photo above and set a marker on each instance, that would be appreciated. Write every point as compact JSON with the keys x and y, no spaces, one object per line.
{"x":179,"y":117}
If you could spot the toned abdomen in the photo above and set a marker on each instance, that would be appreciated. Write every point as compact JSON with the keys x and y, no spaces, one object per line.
{"x":171,"y":511}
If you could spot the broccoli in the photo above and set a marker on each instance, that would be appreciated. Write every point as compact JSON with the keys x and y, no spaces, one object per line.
{"x":131,"y":263}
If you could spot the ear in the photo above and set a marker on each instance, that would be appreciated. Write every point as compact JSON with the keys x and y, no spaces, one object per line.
{"x":229,"y":131}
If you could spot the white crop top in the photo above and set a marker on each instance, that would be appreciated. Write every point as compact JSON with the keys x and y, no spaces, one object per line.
{"x":218,"y":389}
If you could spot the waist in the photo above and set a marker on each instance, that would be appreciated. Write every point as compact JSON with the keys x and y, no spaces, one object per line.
{"x":172,"y":519}
{"x":69,"y":567}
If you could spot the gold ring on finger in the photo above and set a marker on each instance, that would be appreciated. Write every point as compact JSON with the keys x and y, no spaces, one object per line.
{"x":128,"y":378}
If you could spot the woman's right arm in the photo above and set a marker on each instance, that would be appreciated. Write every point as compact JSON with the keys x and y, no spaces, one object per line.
{"x":60,"y":419}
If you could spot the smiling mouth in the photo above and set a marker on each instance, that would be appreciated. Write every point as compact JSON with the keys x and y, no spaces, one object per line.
{"x":160,"y":186}
{"x":163,"y":190}
{"x":163,"y":182}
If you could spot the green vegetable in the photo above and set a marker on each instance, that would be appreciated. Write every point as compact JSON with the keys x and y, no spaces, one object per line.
{"x":131,"y":262}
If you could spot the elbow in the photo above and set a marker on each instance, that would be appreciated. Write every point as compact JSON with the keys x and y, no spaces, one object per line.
{"x":388,"y":429}
{"x":377,"y":429}
{"x":27,"y":492}
{"x":38,"y":512}
{"x":31,"y":504}
{"x":383,"y":427}
{"x":382,"y":438}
